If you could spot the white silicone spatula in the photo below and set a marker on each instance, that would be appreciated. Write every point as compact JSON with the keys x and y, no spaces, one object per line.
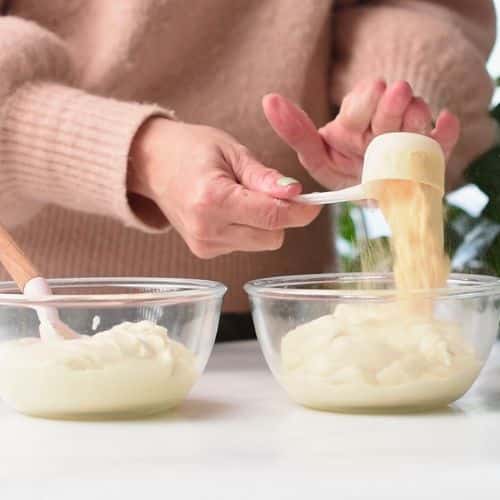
{"x":29,"y":281}
{"x":393,"y":156}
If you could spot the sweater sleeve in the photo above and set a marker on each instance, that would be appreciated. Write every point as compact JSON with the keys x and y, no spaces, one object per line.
{"x":440,"y":47}
{"x":59,"y":144}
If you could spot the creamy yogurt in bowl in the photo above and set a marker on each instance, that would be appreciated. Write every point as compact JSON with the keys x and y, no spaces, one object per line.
{"x":352,"y":343}
{"x":155,"y":339}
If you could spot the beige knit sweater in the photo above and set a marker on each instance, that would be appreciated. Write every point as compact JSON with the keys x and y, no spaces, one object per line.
{"x":78,"y":77}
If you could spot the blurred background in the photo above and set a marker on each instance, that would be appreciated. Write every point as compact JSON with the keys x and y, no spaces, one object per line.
{"x":472,"y":213}
{"x":494,"y":62}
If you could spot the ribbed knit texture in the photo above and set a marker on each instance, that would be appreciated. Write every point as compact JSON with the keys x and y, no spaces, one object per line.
{"x":75,"y":75}
{"x":54,"y":138}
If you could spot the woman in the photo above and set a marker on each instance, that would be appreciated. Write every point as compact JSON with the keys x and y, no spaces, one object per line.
{"x":95,"y":180}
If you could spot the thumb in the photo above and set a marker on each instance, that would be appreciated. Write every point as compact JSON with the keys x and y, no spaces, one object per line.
{"x":254,"y":176}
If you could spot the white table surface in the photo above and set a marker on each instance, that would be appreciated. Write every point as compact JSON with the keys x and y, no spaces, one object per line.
{"x":239,"y":437}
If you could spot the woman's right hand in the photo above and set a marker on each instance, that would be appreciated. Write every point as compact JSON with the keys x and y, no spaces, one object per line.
{"x":211,"y":189}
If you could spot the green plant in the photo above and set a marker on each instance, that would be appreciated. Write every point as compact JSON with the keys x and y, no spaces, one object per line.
{"x":480,"y":245}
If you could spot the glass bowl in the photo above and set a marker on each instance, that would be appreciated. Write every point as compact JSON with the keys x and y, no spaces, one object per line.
{"x":351,"y":343}
{"x":134,"y":370}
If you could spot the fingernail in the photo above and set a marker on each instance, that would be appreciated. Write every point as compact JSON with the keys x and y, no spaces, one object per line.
{"x":286,"y":181}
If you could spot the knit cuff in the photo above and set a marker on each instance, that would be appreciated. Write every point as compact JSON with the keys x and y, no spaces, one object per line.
{"x":64,"y":146}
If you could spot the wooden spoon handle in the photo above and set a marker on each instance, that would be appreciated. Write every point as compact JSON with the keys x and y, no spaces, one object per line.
{"x":15,"y":262}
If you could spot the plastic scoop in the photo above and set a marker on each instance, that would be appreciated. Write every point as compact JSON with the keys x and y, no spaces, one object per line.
{"x":30,"y":282}
{"x":395,"y":156}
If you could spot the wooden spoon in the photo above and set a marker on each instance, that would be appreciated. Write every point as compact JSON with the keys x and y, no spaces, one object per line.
{"x":33,"y":286}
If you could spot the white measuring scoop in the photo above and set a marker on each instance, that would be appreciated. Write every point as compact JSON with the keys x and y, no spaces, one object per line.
{"x":394,"y":156}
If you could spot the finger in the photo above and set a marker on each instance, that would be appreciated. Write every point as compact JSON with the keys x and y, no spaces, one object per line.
{"x":447,"y":131}
{"x":294,"y":126}
{"x":350,"y":132}
{"x":259,"y":210}
{"x":391,"y":108}
{"x":256,"y":177}
{"x":347,"y":168}
{"x":417,"y":117}
{"x":358,"y":107}
{"x":343,"y":140}
{"x":250,"y":239}
{"x":207,"y":249}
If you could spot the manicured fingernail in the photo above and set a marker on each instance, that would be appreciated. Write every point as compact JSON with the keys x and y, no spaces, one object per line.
{"x":286,"y":181}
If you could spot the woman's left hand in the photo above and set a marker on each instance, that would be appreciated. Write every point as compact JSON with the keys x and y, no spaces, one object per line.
{"x":333,"y":155}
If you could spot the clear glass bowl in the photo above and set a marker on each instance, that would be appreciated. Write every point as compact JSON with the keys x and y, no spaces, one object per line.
{"x":370,"y":349}
{"x":130,"y":374}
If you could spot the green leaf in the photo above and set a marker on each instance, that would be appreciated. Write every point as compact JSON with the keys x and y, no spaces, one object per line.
{"x":348,"y":265}
{"x":462,"y":224}
{"x":485,"y":174}
{"x":457,"y":223}
{"x":493,"y":257}
{"x":495,"y":112}
{"x":346,"y":239}
{"x":452,"y":239}
{"x":345,"y":224}
{"x":476,"y":244}
{"x":492,"y":209}
{"x":452,"y":212}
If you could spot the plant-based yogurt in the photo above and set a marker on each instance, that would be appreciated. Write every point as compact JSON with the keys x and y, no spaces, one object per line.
{"x":364,"y":357}
{"x":132,"y":368}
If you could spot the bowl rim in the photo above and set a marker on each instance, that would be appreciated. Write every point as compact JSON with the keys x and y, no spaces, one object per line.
{"x":172,"y":293}
{"x":278,"y":287}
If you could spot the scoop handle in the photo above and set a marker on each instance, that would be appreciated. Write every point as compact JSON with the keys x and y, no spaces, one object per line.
{"x":20,"y":268}
{"x":354,"y":193}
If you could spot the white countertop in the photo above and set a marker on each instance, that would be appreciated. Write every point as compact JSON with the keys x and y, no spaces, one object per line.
{"x":239,"y":437}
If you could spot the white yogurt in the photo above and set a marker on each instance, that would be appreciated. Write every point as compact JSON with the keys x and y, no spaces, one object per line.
{"x":373,"y":357}
{"x":133,"y":368}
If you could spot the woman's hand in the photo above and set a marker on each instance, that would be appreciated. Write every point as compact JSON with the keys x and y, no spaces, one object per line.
{"x":333,"y":155}
{"x":211,"y":189}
